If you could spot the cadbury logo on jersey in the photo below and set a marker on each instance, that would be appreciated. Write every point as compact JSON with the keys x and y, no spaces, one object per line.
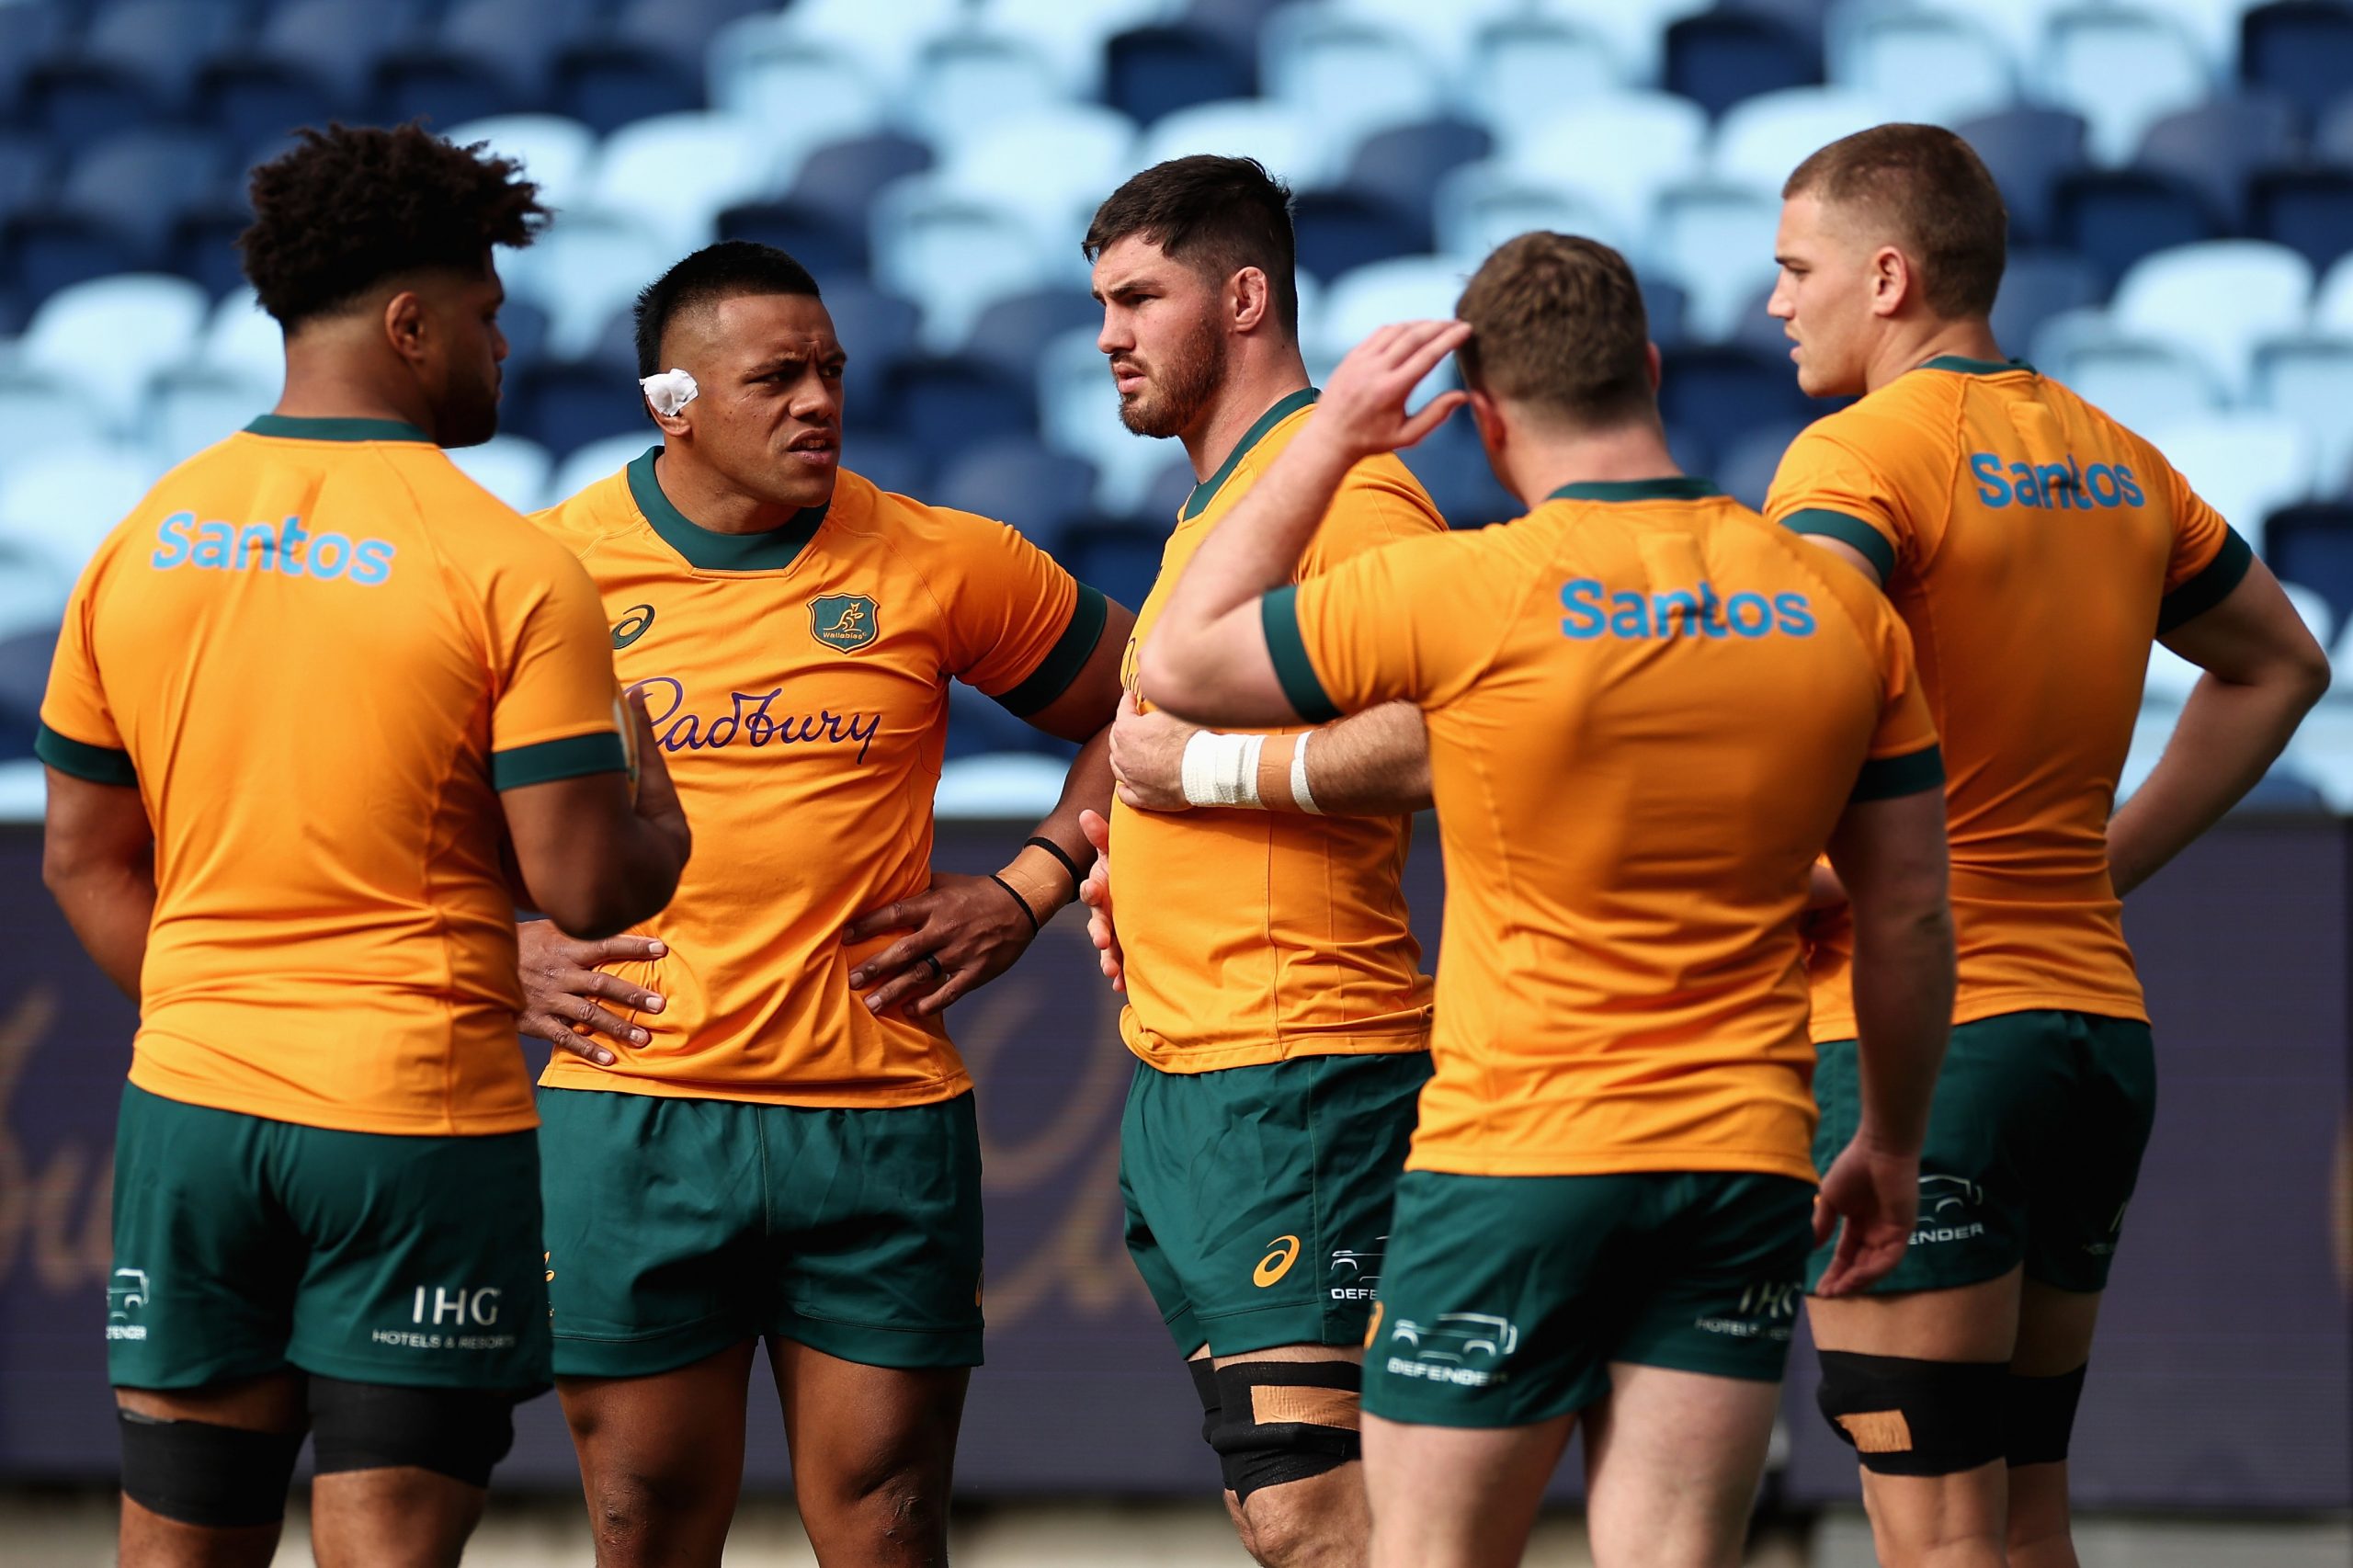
{"x":1594,"y":611}
{"x":2067,"y":486}
{"x":747,"y":721}
{"x":285,"y":550}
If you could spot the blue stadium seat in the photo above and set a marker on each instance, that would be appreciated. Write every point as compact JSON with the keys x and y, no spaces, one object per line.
{"x":1119,"y":559}
{"x":956,"y":255}
{"x":1339,"y":227}
{"x":2311,"y":545}
{"x":1746,"y":467}
{"x":801,"y":95}
{"x":1666,"y":306}
{"x":109,"y":335}
{"x":563,"y":404}
{"x":605,"y":82}
{"x":840,"y":178}
{"x":1943,"y":66}
{"x":2310,"y":380}
{"x":946,"y":404}
{"x":678,"y":30}
{"x":599,"y":460}
{"x":815,"y":238}
{"x":2301,"y":49}
{"x":1716,"y":242}
{"x":137,"y":61}
{"x":1016,"y":481}
{"x":1051,"y":165}
{"x":1012,"y":333}
{"x":252,"y":96}
{"x":888,"y":462}
{"x":556,"y":153}
{"x":2036,"y":286}
{"x":968,"y":81}
{"x":2333,"y":137}
{"x":877,"y":330}
{"x":2246,"y":465}
{"x":1073,"y":34}
{"x":1454,"y":469}
{"x":30,"y":31}
{"x":1345,"y":76}
{"x":979,"y":731}
{"x":239,"y":338}
{"x":2028,"y":152}
{"x":1403,"y":288}
{"x":615,"y":344}
{"x":587,"y":265}
{"x":2220,"y":144}
{"x":1154,"y":71}
{"x":1719,"y":58}
{"x":2333,"y":302}
{"x":1274,"y":134}
{"x":1519,"y":60}
{"x":340,"y":42}
{"x":2309,"y":211}
{"x":486,"y":57}
{"x":677,"y":171}
{"x":28,"y":170}
{"x":1079,"y":413}
{"x":2115,"y":217}
{"x":883,"y":39}
{"x":1407,"y":163}
{"x":1761,"y":140}
{"x":525,"y":327}
{"x":190,"y":407}
{"x":63,"y":505}
{"x":510,"y":467}
{"x":1481,"y":205}
{"x":1621,"y":150}
{"x":140,"y":180}
{"x":2123,"y":70}
{"x":2147,"y":385}
{"x":1236,"y":21}
{"x":2220,"y":300}
{"x":1720,"y":393}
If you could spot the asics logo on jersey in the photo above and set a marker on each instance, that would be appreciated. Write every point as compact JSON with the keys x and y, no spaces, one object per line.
{"x":2061,"y":487}
{"x":1281,"y":1253}
{"x":748,"y":721}
{"x":633,"y":626}
{"x":843,"y":621}
{"x":1594,"y":611}
{"x":282,"y":548}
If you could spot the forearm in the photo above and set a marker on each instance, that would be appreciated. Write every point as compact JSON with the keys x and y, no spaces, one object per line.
{"x":110,"y":910}
{"x":1045,"y":883}
{"x":1903,"y":991}
{"x":1376,"y":762}
{"x":2228,"y":735}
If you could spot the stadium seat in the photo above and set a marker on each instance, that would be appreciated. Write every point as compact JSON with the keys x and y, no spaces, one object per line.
{"x":2310,"y":380}
{"x":64,"y":503}
{"x":675,"y":174}
{"x":1761,"y":140}
{"x":1405,"y":289}
{"x":599,"y":460}
{"x":1943,"y":66}
{"x":877,"y":330}
{"x":966,"y":81}
{"x":1621,"y":150}
{"x":338,"y":42}
{"x":2146,"y":384}
{"x":956,"y":255}
{"x":1453,"y":467}
{"x":1666,"y":305}
{"x":564,"y":404}
{"x":2333,"y":137}
{"x":1073,"y":33}
{"x":1721,"y":392}
{"x":1716,"y":240}
{"x":1055,"y":166}
{"x":1745,"y":466}
{"x":883,"y":39}
{"x":2036,"y":286}
{"x":1446,"y":36}
{"x":607,"y":83}
{"x":1719,"y":58}
{"x":2309,"y":211}
{"x":2220,"y":144}
{"x":1481,"y":205}
{"x":888,"y":462}
{"x":1118,"y":559}
{"x":137,"y":182}
{"x":2121,"y":70}
{"x":801,"y":95}
{"x":1272,"y":132}
{"x":946,"y":405}
{"x":2301,"y":49}
{"x":189,"y":407}
{"x":1636,"y":30}
{"x":1345,"y":76}
{"x":2221,"y":298}
{"x":841,"y":177}
{"x":2333,"y":302}
{"x":816,"y":238}
{"x":1150,"y":72}
{"x":2247,"y":466}
{"x":52,"y":249}
{"x":517,"y":41}
{"x":136,"y":61}
{"x":1041,"y":493}
{"x":678,"y":30}
{"x":587,"y":265}
{"x":1079,"y":413}
{"x":109,"y":335}
{"x":28,"y":171}
{"x":1339,"y":227}
{"x":2322,"y":750}
{"x":980,"y":732}
{"x":240,"y":338}
{"x":2311,"y":545}
{"x":1518,"y":60}
{"x":1405,"y":164}
{"x":511,"y":468}
{"x":29,"y":34}
{"x":1012,"y":333}
{"x":556,"y":153}
{"x":2029,"y":150}
{"x":2115,"y":217}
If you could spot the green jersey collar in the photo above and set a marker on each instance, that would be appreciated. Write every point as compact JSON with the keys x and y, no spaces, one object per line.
{"x":1284,"y":408}
{"x":1962,"y":366}
{"x":1680,"y":488}
{"x":770,"y":552}
{"x":287,"y":428}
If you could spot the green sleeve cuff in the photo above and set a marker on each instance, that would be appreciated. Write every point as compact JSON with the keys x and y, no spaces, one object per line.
{"x":1279,"y":612}
{"x":575,"y":756}
{"x":2211,"y":586}
{"x":1913,"y":773}
{"x":99,"y":765}
{"x":1846,"y":530}
{"x":1064,"y":660}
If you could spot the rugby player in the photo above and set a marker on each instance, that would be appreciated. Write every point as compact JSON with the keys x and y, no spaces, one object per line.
{"x":304,"y":695}
{"x":1609,"y":1204}
{"x":2035,"y":548}
{"x":758,"y":1129}
{"x":1275,"y":994}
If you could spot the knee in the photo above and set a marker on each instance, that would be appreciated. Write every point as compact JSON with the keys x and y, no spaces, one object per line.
{"x":1280,"y":1533}
{"x":631,"y":1507}
{"x":905,"y":1505}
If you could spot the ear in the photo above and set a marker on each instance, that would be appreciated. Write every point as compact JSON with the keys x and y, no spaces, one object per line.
{"x":1250,"y":299}
{"x":1488,"y":416}
{"x":671,"y":424}
{"x":1891,"y":280}
{"x":1650,"y":365}
{"x":405,"y":328}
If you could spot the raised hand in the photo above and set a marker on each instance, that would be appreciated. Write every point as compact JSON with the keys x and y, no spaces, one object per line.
{"x":1363,"y":405}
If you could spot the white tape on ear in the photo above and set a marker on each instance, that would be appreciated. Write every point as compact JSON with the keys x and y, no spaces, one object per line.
{"x":670,"y":391}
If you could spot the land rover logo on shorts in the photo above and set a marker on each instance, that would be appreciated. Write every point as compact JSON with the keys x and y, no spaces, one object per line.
{"x":1355,"y":1272}
{"x":633,"y":626}
{"x":845,"y":622}
{"x":1945,"y":1205}
{"x":1281,"y":1253}
{"x":126,"y":1293}
{"x":1466,"y":1349}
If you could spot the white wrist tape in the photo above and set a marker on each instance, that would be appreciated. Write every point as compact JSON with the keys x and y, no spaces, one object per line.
{"x":1301,"y":796}
{"x":1221,"y":770}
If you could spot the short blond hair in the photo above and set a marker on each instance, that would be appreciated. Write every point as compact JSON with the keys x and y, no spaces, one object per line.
{"x":1930,"y":192}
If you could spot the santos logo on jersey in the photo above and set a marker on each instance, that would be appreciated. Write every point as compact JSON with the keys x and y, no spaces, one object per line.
{"x":2067,"y":486}
{"x":1679,"y":612}
{"x":285,"y":550}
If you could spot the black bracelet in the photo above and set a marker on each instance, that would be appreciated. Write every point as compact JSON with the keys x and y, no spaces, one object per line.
{"x":1018,"y":901}
{"x":1059,"y":853}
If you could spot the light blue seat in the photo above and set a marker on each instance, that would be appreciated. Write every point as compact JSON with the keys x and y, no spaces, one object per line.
{"x":674,"y":173}
{"x":1761,"y":140}
{"x":998,"y":785}
{"x":1619,"y":150}
{"x":1519,"y":61}
{"x":191,"y":407}
{"x":63,"y":505}
{"x":1636,"y":30}
{"x":1071,"y":33}
{"x":2333,"y":302}
{"x":1360,"y":301}
{"x":2122,"y":69}
{"x":2313,"y":609}
{"x":588,"y":265}
{"x":2246,"y":465}
{"x":1055,"y":166}
{"x":964,"y":82}
{"x":2142,"y":383}
{"x":884,"y":37}
{"x":556,"y":152}
{"x":797,"y":92}
{"x":957,"y":254}
{"x":1716,"y":240}
{"x":2018,"y":24}
{"x":1446,"y":36}
{"x":2221,"y":298}
{"x":2321,"y":749}
{"x":107,"y":336}
{"x":600,"y":459}
{"x":1347,"y":75}
{"x":1078,"y":410}
{"x":1276,"y":134}
{"x":513,"y":469}
{"x":1481,"y":205}
{"x":1943,"y":66}
{"x":242,"y":338}
{"x":2310,"y":380}
{"x":32,"y":599}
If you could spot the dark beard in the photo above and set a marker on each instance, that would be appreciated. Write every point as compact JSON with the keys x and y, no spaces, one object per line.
{"x":1173,"y":400}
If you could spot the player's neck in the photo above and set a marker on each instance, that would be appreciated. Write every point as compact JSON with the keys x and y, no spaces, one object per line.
{"x":1914,"y":344}
{"x":318,"y":387}
{"x":707,"y":500}
{"x":1613,"y":456}
{"x":1255,"y":384}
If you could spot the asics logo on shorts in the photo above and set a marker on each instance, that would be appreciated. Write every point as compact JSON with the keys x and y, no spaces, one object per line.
{"x":1281,"y":1253}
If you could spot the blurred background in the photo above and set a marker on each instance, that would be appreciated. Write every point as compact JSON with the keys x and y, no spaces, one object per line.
{"x":2180,"y":180}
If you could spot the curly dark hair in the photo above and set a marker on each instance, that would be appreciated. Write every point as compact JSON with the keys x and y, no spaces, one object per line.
{"x":355,"y":205}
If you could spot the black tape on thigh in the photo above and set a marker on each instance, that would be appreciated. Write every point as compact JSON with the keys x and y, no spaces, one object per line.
{"x":460,"y":1433}
{"x":1204,"y":1372}
{"x":200,"y":1473}
{"x":1905,"y":1417}
{"x":2038,"y":1416}
{"x":1281,"y":1421}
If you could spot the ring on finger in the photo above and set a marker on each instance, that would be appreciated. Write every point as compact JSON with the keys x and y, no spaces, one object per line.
{"x":938,"y":970}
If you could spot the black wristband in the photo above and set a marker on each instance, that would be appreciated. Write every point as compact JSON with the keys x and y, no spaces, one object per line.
{"x":1018,"y":901}
{"x":1059,"y":853}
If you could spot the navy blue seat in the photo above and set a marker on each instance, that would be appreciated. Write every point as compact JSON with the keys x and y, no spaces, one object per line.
{"x":841,"y":177}
{"x":677,"y":30}
{"x":2309,"y":211}
{"x":525,"y":327}
{"x":2300,"y":49}
{"x":252,"y":96}
{"x":948,"y":403}
{"x":878,"y":330}
{"x":2333,"y":138}
{"x":2036,"y":286}
{"x":1718,"y":58}
{"x":1746,"y":468}
{"x":2219,"y":146}
{"x":1454,"y":469}
{"x":136,"y":61}
{"x":30,"y":30}
{"x":1804,"y":18}
{"x":1407,"y":163}
{"x":203,"y":244}
{"x":336,"y":42}
{"x":1238,"y":22}
{"x":978,"y":724}
{"x":2114,"y":216}
{"x":28,"y":171}
{"x":1012,"y":333}
{"x":891,"y":462}
{"x":25,"y":660}
{"x":815,"y":238}
{"x":143,"y":180}
{"x":1667,"y":304}
{"x":565,"y":405}
{"x":1719,"y":392}
{"x":52,"y":248}
{"x":1119,"y":558}
{"x":1016,"y":481}
{"x":487,"y":57}
{"x":1154,"y":70}
{"x":1338,"y":230}
{"x":2313,"y":545}
{"x":607,"y":83}
{"x":2029,"y":150}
